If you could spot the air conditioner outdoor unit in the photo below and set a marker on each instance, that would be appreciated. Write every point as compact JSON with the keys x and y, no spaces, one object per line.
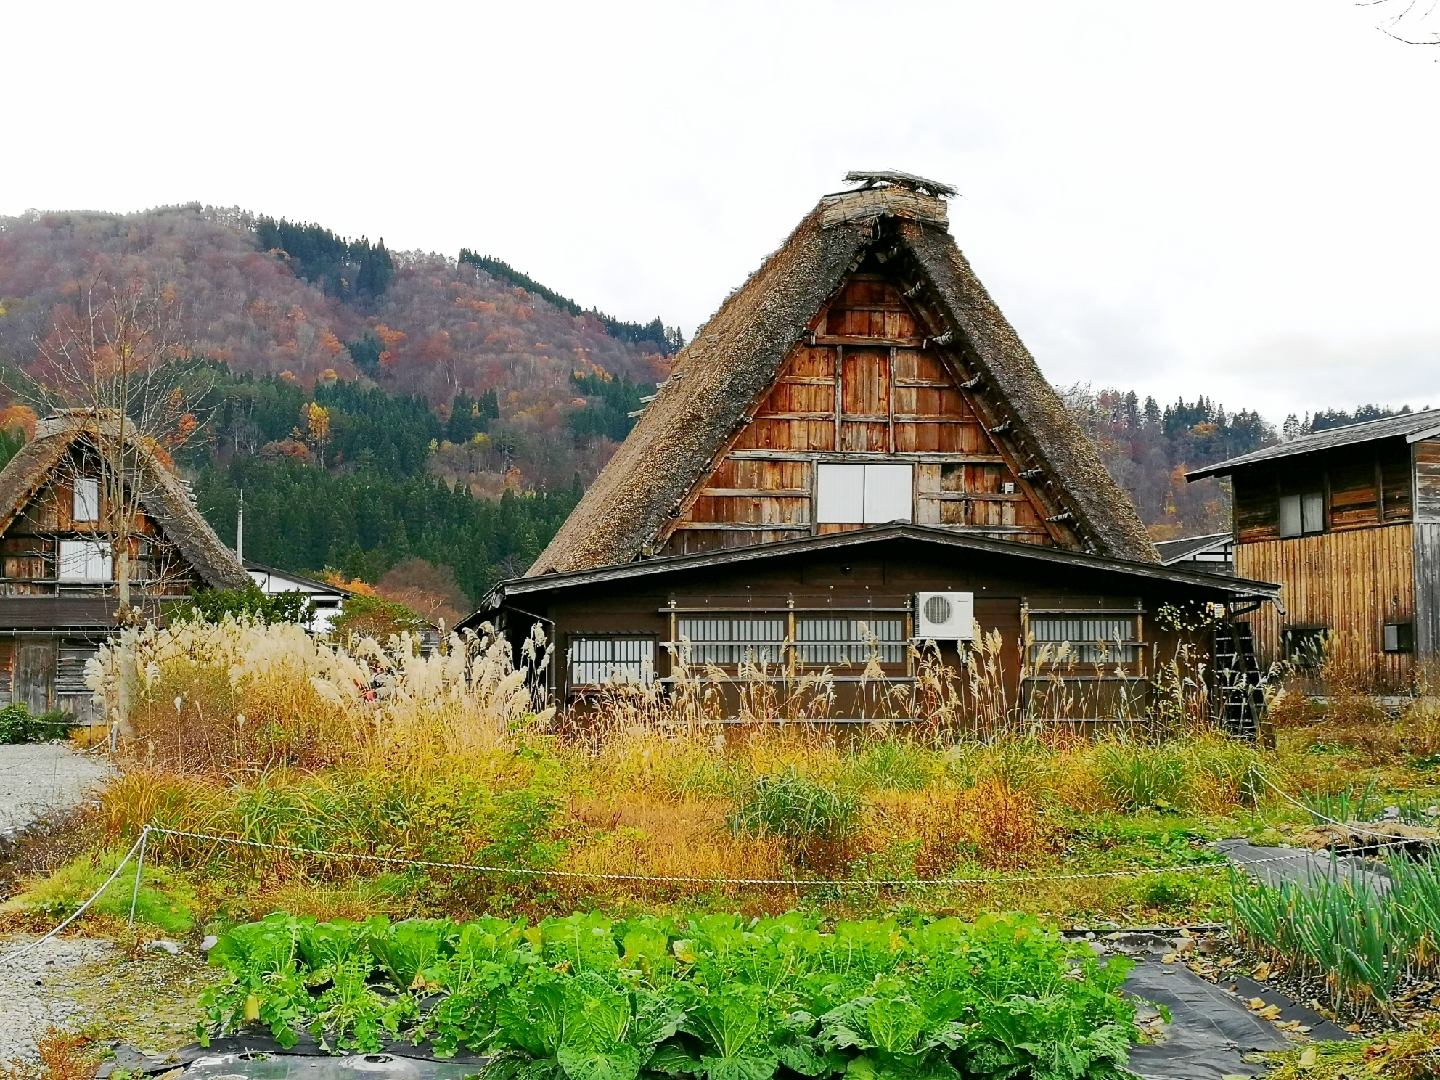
{"x":945,"y":616}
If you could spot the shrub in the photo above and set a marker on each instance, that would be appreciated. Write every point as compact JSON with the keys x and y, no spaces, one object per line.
{"x":370,"y":616}
{"x":212,"y":605}
{"x":991,"y":823}
{"x":893,"y":764}
{"x":18,"y":726}
{"x":1143,"y":777}
{"x":165,"y":900}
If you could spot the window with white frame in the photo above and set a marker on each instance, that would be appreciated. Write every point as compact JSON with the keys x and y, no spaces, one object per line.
{"x":86,"y":504}
{"x":826,"y":640}
{"x":1302,"y":515}
{"x":84,"y":560}
{"x":1084,"y":639}
{"x":849,"y":493}
{"x":727,"y":640}
{"x":595,"y":661}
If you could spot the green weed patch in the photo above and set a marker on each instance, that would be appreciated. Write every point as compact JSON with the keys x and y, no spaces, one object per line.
{"x":165,"y":900}
{"x":715,"y":997}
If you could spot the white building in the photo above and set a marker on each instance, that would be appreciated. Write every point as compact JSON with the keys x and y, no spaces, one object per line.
{"x":327,"y":600}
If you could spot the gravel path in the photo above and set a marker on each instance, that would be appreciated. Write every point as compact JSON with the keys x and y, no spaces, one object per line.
{"x":40,"y":778}
{"x":34,"y":993}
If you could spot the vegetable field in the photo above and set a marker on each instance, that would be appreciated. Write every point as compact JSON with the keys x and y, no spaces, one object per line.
{"x":717,"y":997}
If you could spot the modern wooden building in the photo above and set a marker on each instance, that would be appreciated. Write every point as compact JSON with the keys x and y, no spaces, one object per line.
{"x":857,"y":453}
{"x":1347,"y":522}
{"x":58,"y":594}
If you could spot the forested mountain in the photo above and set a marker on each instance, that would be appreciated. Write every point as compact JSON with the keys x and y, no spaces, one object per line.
{"x":297,"y":302}
{"x":390,"y":413}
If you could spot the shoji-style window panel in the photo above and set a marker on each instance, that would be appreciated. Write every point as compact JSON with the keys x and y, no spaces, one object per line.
{"x":595,"y":661}
{"x":729,"y":640}
{"x":846,"y":640}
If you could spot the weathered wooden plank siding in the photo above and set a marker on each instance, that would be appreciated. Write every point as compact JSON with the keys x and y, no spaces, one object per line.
{"x":1351,"y":581}
{"x":1427,"y":590}
{"x":1427,"y":549}
{"x":865,"y":385}
{"x":1362,"y":488}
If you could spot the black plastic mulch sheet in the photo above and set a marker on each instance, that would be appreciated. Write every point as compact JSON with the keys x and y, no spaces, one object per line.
{"x":1211,"y":1031}
{"x":1272,"y":865}
{"x":257,"y":1056}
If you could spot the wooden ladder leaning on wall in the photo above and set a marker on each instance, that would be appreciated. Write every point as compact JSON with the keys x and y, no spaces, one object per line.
{"x":1237,"y":679}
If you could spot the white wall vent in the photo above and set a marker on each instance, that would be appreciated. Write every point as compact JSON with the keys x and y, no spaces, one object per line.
{"x":945,"y":616}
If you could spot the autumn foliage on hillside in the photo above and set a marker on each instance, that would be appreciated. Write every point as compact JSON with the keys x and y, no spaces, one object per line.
{"x":424,"y":325}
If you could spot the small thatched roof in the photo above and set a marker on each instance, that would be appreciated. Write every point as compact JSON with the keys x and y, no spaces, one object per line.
{"x":736,"y":356}
{"x":162,"y":494}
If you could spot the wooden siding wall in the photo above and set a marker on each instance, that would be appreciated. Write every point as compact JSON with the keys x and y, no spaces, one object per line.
{"x":1427,"y":549}
{"x":1364,"y":486}
{"x":865,"y":388}
{"x":1352,"y":581}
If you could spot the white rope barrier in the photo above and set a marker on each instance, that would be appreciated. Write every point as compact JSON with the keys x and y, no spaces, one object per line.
{"x":667,"y":879}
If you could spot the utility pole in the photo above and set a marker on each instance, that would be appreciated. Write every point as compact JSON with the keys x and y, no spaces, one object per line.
{"x":240,"y":529}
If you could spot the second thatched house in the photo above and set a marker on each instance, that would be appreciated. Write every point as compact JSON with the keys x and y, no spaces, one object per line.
{"x":59,"y":593}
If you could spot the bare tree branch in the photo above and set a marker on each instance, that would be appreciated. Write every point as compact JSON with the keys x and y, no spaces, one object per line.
{"x":116,"y":364}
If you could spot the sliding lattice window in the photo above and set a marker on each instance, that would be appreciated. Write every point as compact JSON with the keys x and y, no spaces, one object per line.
{"x":1061,"y":639}
{"x":827,"y":641}
{"x":728,"y":641}
{"x":598,"y":661}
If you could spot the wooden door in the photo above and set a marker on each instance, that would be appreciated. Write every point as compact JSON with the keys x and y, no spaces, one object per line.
{"x":34,"y":675}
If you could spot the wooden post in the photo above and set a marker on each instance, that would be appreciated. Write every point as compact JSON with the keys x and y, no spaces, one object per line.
{"x":674,"y":646}
{"x":1140,"y":642}
{"x":890,"y":395}
{"x":839,"y":391}
{"x":1379,"y":491}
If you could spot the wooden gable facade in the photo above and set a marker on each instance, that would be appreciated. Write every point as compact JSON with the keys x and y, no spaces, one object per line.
{"x":861,"y":376}
{"x":865,"y":386}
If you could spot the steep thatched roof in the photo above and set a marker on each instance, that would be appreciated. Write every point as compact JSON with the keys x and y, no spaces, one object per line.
{"x":737,"y":355}
{"x":162,"y":495}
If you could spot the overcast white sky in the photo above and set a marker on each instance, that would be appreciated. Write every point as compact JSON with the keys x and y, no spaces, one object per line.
{"x":1231,"y":198}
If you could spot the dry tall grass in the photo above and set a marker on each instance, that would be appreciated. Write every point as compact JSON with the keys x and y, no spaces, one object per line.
{"x":265,"y":734}
{"x":240,"y":696}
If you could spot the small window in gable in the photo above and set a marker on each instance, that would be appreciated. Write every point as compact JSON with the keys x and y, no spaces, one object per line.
{"x":87,"y":500}
{"x":84,"y":560}
{"x":868,"y":494}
